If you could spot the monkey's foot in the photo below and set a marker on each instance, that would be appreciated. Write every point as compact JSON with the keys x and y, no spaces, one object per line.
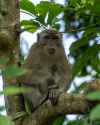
{"x":53,"y":96}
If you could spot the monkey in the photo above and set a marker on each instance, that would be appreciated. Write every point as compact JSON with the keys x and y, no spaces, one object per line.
{"x":48,"y":71}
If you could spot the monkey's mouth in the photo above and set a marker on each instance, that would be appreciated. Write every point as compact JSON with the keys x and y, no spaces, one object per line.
{"x":51,"y":51}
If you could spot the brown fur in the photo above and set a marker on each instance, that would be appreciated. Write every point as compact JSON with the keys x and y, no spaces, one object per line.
{"x":49,"y":71}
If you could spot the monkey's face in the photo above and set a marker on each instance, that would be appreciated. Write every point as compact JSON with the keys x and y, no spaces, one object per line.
{"x":50,"y":40}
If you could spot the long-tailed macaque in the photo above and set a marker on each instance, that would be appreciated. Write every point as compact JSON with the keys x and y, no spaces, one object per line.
{"x":48,"y":70}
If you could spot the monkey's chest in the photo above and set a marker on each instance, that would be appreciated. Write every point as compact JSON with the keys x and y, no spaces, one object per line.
{"x":42,"y":73}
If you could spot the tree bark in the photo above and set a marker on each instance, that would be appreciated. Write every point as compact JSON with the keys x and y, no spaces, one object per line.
{"x":47,"y":113}
{"x":9,"y":39}
{"x":67,"y":104}
{"x":9,"y":28}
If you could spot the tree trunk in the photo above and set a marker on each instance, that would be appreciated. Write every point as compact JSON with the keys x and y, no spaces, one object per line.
{"x":9,"y":41}
{"x":9,"y":28}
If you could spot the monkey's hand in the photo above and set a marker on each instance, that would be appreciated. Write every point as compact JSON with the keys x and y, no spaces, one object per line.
{"x":53,"y":95}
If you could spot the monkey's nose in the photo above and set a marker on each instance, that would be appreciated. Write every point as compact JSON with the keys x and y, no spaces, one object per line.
{"x":51,"y":51}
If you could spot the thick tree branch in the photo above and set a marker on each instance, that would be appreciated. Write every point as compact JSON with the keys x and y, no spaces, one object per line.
{"x":46,"y":113}
{"x":67,"y":104}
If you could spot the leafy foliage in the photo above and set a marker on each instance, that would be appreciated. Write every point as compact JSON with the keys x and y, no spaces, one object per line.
{"x":14,"y":90}
{"x":59,"y":120}
{"x":39,"y":12}
{"x":94,"y":96}
{"x":94,"y":114}
{"x":3,"y":61}
{"x":13,"y":71}
{"x":4,"y":120}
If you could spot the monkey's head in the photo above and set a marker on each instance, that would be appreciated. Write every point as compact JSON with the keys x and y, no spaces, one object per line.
{"x":51,"y":40}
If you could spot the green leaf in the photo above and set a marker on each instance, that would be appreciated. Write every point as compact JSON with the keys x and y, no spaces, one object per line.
{"x":27,"y":6}
{"x":96,"y":7}
{"x":79,"y":43}
{"x":79,"y":65}
{"x":54,"y":11}
{"x":83,"y":41}
{"x":95,"y":113}
{"x":29,"y":28}
{"x":11,"y":90}
{"x":83,"y":59}
{"x":42,"y":7}
{"x":51,"y":8}
{"x":94,"y":95}
{"x":26,"y":22}
{"x":13,"y":71}
{"x":3,"y":60}
{"x":27,"y":106}
{"x":4,"y":120}
{"x":75,"y":122}
{"x":59,"y":120}
{"x":42,"y":10}
{"x":85,"y":122}
{"x":75,"y":3}
{"x":95,"y":62}
{"x":29,"y":22}
{"x":29,"y":25}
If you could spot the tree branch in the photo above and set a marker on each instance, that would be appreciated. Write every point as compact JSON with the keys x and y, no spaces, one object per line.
{"x":67,"y":104}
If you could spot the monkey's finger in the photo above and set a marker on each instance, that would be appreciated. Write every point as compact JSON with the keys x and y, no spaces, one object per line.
{"x":53,"y":96}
